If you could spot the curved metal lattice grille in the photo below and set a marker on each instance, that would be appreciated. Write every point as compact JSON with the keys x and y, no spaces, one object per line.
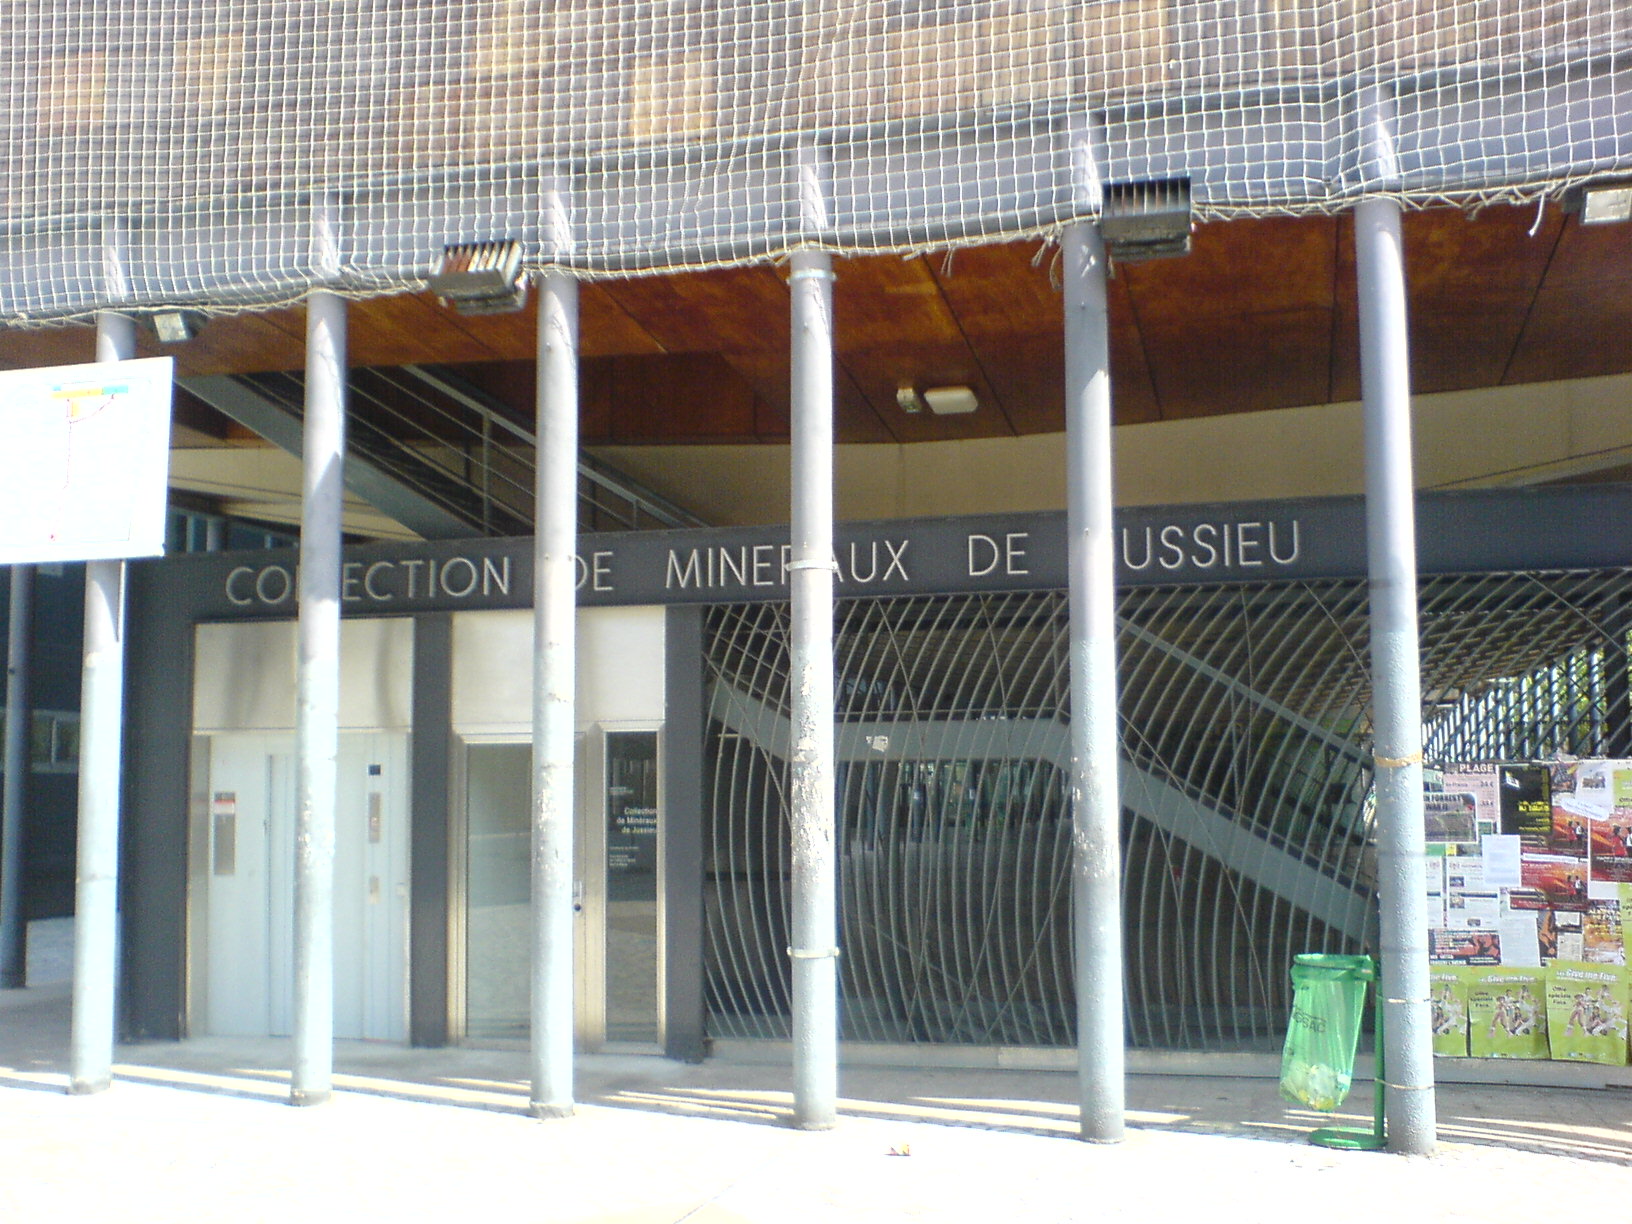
{"x":1244,"y":726}
{"x":1564,"y":689}
{"x":225,"y":153}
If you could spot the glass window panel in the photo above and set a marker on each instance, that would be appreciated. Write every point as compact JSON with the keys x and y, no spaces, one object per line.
{"x":498,"y":886}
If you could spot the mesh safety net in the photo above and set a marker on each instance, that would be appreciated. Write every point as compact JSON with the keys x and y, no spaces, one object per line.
{"x":234,"y":153}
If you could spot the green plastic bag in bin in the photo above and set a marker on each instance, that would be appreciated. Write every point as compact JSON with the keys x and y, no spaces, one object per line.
{"x":1328,"y":999}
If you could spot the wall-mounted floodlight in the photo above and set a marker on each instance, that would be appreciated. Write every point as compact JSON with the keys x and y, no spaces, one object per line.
{"x":481,"y":277}
{"x":951,"y":401}
{"x":1606,"y":203}
{"x":174,"y":326}
{"x":1148,"y":219}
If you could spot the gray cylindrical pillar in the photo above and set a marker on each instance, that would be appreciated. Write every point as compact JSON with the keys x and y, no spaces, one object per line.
{"x":814,"y":928}
{"x":554,"y":682}
{"x":1396,"y":682}
{"x":317,"y":728}
{"x":1096,"y":806}
{"x":96,"y":883}
{"x":19,"y":647}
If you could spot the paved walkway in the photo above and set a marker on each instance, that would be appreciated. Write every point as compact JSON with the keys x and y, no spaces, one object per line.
{"x":199,"y":1132}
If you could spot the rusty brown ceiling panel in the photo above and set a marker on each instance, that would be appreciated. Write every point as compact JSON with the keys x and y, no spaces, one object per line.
{"x":1575,"y":331}
{"x":1241,"y":362}
{"x":1260,"y":315}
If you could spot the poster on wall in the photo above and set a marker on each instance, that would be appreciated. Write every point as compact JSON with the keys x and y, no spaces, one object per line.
{"x":1521,"y":938}
{"x":1563,"y":935}
{"x":1449,"y":946}
{"x":1450,"y":816}
{"x":1602,"y":940}
{"x":1480,"y":781}
{"x":1592,"y":817}
{"x":1550,"y":881}
{"x":1470,"y":903}
{"x":1524,"y":904}
{"x":1526,"y":802}
{"x":1434,"y":882}
{"x":1570,"y":817}
{"x":1507,"y":1013}
{"x":1586,"y":1013}
{"x":1448,"y":1011}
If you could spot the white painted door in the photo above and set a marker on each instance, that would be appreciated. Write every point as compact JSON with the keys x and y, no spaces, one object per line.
{"x":251,"y":903}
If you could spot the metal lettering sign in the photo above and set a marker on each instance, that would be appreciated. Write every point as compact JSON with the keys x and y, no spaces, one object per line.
{"x":1158,"y":546}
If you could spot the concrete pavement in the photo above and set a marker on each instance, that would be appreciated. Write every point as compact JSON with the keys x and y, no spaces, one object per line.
{"x":199,"y":1132}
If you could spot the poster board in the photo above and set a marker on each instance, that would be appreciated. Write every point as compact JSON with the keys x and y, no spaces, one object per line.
{"x":1529,"y":883}
{"x":85,"y":468}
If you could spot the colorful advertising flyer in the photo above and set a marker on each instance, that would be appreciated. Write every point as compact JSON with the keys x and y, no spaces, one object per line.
{"x":1603,"y":942}
{"x":1611,"y":851}
{"x":1604,"y":794}
{"x":1550,"y":881}
{"x":1448,"y":1011}
{"x":1454,"y":947}
{"x":1546,"y":935}
{"x":1527,"y":806}
{"x":1586,"y":1012}
{"x":1571,"y":810}
{"x":1507,"y":1013}
{"x":1480,"y":781}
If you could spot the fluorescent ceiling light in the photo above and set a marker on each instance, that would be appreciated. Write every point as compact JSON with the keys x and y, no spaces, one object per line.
{"x":951,"y":401}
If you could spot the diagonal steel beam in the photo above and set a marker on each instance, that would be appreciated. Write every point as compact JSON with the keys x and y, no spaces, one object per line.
{"x":1308,"y":726}
{"x":1341,"y":905}
{"x":386,"y":493}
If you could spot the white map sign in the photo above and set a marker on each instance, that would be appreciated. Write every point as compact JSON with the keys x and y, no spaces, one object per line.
{"x":84,"y":461}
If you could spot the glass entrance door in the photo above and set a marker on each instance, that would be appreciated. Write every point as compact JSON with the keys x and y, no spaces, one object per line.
{"x":497,"y":891}
{"x":631,"y":922}
{"x":619,"y":895}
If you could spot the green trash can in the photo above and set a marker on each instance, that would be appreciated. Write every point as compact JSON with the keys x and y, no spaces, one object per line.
{"x":1328,"y":1001}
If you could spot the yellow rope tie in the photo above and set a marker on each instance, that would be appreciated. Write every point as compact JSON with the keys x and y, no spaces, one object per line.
{"x":1398,"y":762}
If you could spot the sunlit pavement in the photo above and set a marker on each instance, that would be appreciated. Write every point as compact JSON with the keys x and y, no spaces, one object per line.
{"x":200,"y":1131}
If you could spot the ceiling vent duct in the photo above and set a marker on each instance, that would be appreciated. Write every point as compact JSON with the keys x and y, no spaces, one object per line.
{"x":481,"y":277}
{"x":1148,"y":219}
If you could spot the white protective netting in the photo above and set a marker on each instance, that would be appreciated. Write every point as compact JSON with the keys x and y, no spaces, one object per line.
{"x":232,"y":153}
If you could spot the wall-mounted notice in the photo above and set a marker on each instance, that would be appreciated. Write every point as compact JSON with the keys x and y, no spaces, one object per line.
{"x":84,"y":471}
{"x":1527,"y":808}
{"x":1534,"y":922}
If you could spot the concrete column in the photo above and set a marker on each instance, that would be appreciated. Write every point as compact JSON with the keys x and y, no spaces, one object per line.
{"x":1096,"y":862}
{"x":554,"y":698}
{"x":96,"y":883}
{"x":1396,"y":676}
{"x":317,"y":730}
{"x":811,"y":771}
